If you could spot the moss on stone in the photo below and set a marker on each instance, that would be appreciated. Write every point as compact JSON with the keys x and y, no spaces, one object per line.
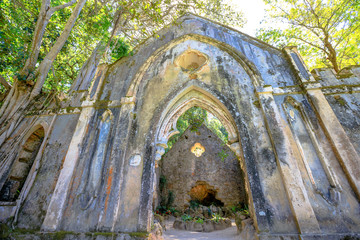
{"x":256,"y":103}
{"x":139,"y":234}
{"x":62,"y":234}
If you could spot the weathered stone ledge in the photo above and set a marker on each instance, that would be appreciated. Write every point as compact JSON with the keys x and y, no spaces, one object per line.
{"x":65,"y":235}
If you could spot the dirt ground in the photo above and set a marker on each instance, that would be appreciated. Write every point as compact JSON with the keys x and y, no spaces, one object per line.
{"x":226,"y":234}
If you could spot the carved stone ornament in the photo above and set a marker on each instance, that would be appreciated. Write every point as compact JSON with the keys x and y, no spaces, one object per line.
{"x":197,"y":149}
{"x":135,"y":160}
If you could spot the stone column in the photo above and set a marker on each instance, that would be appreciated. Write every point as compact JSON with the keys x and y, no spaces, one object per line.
{"x":59,"y":198}
{"x":115,"y":180}
{"x":287,"y":155}
{"x":342,"y":146}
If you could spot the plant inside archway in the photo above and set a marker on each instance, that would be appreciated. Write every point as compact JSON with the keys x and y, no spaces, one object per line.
{"x":194,"y":117}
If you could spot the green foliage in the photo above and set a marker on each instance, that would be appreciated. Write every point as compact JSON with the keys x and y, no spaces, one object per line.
{"x":219,"y":11}
{"x":18,"y":19}
{"x":223,"y":154}
{"x":194,"y":118}
{"x":17,"y":26}
{"x":244,"y":209}
{"x":162,"y":183}
{"x":199,"y":220}
{"x":119,"y":23}
{"x":327,"y":33}
{"x":194,"y":204}
{"x":120,"y":48}
{"x":186,"y":217}
{"x":163,"y":210}
{"x":5,"y":231}
{"x":216,"y":217}
{"x":170,"y":199}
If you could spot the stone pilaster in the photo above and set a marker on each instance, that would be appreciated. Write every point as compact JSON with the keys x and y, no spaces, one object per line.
{"x":115,"y":178}
{"x":59,"y":198}
{"x":287,"y":156}
{"x":342,"y":146}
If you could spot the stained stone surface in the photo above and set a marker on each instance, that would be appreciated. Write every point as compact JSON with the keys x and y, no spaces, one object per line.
{"x":296,"y":136}
{"x":217,"y":170}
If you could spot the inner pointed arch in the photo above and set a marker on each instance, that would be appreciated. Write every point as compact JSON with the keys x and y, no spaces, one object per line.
{"x":193,"y":96}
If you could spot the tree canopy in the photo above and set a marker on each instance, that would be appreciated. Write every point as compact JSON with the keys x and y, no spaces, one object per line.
{"x":55,"y":46}
{"x":119,"y":24}
{"x":327,"y":32}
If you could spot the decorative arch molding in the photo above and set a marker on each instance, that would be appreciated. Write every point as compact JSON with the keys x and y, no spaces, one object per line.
{"x":193,"y":96}
{"x":35,"y":127}
{"x":23,"y":165}
{"x":248,"y":66}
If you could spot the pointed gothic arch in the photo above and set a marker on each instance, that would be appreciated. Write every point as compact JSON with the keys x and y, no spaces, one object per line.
{"x":21,"y":168}
{"x":188,"y":98}
{"x":248,"y":66}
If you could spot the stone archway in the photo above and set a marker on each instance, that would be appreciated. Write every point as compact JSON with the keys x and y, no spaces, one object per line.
{"x":19,"y":172}
{"x":188,"y":98}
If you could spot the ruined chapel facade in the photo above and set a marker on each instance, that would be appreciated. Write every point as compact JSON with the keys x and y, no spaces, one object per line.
{"x":90,"y":166}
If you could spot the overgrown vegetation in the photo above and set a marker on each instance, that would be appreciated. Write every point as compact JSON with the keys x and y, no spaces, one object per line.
{"x":194,"y":118}
{"x":52,"y":48}
{"x":121,"y":25}
{"x":326,"y":32}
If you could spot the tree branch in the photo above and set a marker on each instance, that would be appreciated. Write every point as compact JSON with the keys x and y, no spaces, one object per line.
{"x":5,"y":83}
{"x":311,"y":44}
{"x":43,"y":20}
{"x":46,"y":64}
{"x":65,"y":5}
{"x":19,"y":3}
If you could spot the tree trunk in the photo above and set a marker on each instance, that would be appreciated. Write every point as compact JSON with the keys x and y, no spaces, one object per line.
{"x":331,"y":54}
{"x":88,"y":69}
{"x":20,"y":96}
{"x":12,"y":110}
{"x":46,"y":64}
{"x":41,"y":24}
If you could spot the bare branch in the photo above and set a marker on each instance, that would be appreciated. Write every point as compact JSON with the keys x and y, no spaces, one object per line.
{"x":311,"y":44}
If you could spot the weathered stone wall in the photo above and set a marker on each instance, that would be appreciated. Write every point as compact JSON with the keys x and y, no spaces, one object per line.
{"x":296,"y":137}
{"x":343,"y":94}
{"x":227,"y":80}
{"x":30,"y":210}
{"x":33,"y":210}
{"x":218,"y":166}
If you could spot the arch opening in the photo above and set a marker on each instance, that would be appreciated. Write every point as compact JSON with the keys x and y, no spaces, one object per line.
{"x":20,"y":170}
{"x":193,"y":97}
{"x":193,"y":118}
{"x":210,"y":179}
{"x":204,"y":194}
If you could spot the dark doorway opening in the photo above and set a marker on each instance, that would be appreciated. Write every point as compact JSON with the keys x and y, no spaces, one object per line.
{"x":204,"y":194}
